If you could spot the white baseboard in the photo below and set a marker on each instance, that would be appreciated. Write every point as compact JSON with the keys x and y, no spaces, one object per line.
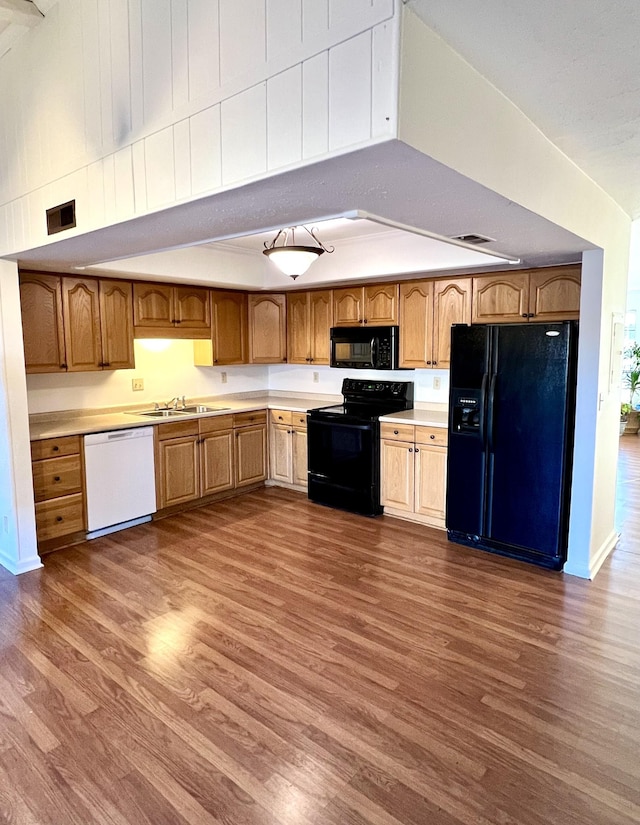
{"x":590,"y":571}
{"x":23,"y":566}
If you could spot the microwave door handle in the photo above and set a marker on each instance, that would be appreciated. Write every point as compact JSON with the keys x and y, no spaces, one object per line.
{"x":374,"y":353}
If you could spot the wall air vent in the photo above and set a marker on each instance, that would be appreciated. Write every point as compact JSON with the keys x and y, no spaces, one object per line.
{"x":61,"y":217}
{"x":473,"y":239}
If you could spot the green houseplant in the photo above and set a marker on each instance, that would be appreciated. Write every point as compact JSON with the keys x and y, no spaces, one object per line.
{"x":632,"y":383}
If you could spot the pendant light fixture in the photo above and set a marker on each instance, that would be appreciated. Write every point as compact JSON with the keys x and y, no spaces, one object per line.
{"x":294,"y":259}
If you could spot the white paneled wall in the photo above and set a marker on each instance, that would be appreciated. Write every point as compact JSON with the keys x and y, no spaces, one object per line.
{"x":130,"y":106}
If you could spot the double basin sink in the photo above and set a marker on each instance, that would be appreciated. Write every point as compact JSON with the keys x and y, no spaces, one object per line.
{"x":190,"y":409}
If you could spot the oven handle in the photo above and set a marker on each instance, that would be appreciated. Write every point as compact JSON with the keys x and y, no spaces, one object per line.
{"x":331,"y":420}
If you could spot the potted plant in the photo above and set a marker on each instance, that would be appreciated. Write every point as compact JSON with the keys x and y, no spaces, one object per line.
{"x":632,"y":383}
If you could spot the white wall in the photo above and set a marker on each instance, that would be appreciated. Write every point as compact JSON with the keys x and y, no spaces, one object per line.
{"x":18,"y":549}
{"x":451,"y":113}
{"x":130,"y":107}
{"x":166,"y":373}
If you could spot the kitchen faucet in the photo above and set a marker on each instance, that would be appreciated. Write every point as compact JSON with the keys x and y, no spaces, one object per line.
{"x":173,"y":404}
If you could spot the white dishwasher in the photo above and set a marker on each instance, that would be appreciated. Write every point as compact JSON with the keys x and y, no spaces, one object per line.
{"x":120,"y":477}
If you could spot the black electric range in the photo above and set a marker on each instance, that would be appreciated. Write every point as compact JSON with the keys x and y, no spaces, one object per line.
{"x":344,"y":444}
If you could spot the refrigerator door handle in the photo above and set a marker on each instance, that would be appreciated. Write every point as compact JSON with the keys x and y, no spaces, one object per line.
{"x":483,"y":406}
{"x":490,"y":411}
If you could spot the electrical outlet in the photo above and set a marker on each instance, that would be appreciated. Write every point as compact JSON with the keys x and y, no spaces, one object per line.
{"x":316,"y":377}
{"x":137,"y":384}
{"x":223,"y":377}
{"x":436,"y":383}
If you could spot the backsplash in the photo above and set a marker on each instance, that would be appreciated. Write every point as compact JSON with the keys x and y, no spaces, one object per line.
{"x":169,"y":372}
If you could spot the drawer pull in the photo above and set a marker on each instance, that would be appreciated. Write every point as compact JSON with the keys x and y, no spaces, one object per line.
{"x":59,"y":518}
{"x":55,"y":449}
{"x":395,"y":432}
{"x":56,"y":478}
{"x":432,"y":436}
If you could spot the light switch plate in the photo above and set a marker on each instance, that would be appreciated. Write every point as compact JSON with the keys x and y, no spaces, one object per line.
{"x":137,"y":384}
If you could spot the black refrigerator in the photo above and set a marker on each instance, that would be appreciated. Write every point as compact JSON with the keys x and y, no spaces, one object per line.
{"x":511,"y":422}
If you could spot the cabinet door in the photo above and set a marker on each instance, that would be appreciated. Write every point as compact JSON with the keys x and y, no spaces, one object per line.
{"x":554,"y":293}
{"x":267,"y":329}
{"x":348,"y":307}
{"x":178,"y":471}
{"x":191,"y":310}
{"x":381,"y":305}
{"x":300,"y":461}
{"x":451,"y":305}
{"x":251,"y":455}
{"x":500,"y":298}
{"x":81,"y":312}
{"x":281,"y":453}
{"x":431,"y":481}
{"x":229,"y":327}
{"x":320,"y":323}
{"x":152,"y":306}
{"x":116,"y":325}
{"x":396,"y":472}
{"x":416,"y":313}
{"x":298,"y":348}
{"x":42,"y":327}
{"x":216,"y":462}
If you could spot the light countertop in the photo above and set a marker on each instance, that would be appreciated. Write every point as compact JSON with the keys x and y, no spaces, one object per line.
{"x":419,"y":417}
{"x":81,"y":422}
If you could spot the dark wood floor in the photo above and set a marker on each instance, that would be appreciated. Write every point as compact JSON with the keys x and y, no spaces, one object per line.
{"x":267,"y":661}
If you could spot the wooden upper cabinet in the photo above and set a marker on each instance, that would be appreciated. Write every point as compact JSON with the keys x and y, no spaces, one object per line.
{"x":309,"y":316}
{"x":427,"y":310}
{"x":554,"y":293}
{"x":546,"y":294}
{"x":320,"y":323}
{"x":116,"y":324}
{"x":267,"y":329}
{"x":416,"y":319}
{"x":191,"y":308}
{"x":42,"y":325}
{"x":82,"y":336}
{"x":503,"y":297}
{"x":298,"y":328}
{"x":228,"y":342}
{"x":373,"y":305}
{"x":160,"y":310}
{"x":451,"y":305}
{"x":348,"y":307}
{"x":381,"y":305}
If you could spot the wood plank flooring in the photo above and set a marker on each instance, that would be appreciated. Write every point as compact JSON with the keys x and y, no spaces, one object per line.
{"x":266,"y":661}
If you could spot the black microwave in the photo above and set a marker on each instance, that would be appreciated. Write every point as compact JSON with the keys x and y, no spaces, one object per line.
{"x":366,"y":348}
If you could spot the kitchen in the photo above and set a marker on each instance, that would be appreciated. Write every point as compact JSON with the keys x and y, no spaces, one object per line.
{"x":423,"y":309}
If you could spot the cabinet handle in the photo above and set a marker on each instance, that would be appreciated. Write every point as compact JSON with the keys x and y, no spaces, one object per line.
{"x":428,"y":362}
{"x":107,"y":364}
{"x":55,"y":449}
{"x":417,"y":450}
{"x":432,"y":436}
{"x":59,"y":518}
{"x":64,"y":367}
{"x":365,"y":321}
{"x":177,"y":322}
{"x":279,"y":418}
{"x":531,"y":315}
{"x":435,"y":363}
{"x":395,"y":432}
{"x":525,"y":315}
{"x":410,"y":449}
{"x":285,"y":359}
{"x":311,"y":360}
{"x":56,"y":479}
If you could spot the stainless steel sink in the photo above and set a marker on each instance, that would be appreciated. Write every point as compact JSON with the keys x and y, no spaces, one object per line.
{"x":191,"y":409}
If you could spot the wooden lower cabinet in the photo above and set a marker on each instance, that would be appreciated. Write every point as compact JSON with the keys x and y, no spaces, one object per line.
{"x":288,"y":448}
{"x":58,"y":486}
{"x":207,"y":456}
{"x":413,"y":472}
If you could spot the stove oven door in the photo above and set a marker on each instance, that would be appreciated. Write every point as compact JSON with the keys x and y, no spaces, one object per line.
{"x":344,"y":464}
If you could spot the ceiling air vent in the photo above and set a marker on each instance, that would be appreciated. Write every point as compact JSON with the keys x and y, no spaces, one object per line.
{"x":61,"y":217}
{"x":473,"y":239}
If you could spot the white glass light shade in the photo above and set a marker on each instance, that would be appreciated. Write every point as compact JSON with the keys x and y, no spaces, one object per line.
{"x":293,"y":260}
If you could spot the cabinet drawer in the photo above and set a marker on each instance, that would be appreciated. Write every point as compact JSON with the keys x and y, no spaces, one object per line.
{"x":59,"y":517}
{"x":299,"y":420}
{"x":245,"y":419}
{"x":55,"y":447}
{"x":215,"y":423}
{"x":55,"y":477}
{"x":177,"y":429}
{"x":436,"y":436}
{"x":280,"y":416}
{"x":397,"y":432}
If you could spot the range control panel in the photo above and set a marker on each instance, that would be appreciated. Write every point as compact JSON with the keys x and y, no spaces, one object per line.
{"x":466,"y":414}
